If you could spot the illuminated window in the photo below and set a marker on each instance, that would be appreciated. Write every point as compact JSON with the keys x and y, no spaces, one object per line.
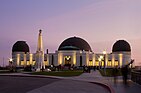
{"x":116,"y":63}
{"x":90,"y":63}
{"x":22,"y":63}
{"x":33,"y":63}
{"x":46,"y":63}
{"x":109,"y":63}
{"x":28,"y":63}
{"x":102,"y":63}
{"x":97,"y":63}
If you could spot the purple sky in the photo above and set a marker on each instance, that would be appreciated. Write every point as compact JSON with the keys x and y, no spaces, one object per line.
{"x":99,"y":22}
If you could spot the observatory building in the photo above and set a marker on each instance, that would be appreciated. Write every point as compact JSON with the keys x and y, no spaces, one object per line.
{"x":72,"y":51}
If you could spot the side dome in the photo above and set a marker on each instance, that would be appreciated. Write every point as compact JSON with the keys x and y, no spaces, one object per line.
{"x":74,"y":43}
{"x":121,"y":46}
{"x":20,"y":46}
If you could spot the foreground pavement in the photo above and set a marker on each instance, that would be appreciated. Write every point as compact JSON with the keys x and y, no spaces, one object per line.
{"x":81,"y":84}
{"x":70,"y":86}
{"x":14,"y":84}
{"x":25,"y":83}
{"x":117,"y":87}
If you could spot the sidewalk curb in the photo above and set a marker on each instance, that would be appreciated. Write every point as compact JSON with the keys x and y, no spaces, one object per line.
{"x":37,"y":76}
{"x":111,"y":90}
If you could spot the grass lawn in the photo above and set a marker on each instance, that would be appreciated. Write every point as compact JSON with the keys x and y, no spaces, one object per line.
{"x":109,"y":72}
{"x":66,"y":73}
{"x":4,"y":71}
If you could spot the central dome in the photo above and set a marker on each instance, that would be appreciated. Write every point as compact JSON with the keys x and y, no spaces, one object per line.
{"x":75,"y":43}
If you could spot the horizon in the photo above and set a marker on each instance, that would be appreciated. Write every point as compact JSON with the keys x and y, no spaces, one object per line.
{"x":100,"y":23}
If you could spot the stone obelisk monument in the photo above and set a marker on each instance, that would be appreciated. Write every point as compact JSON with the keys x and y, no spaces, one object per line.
{"x":40,"y":54}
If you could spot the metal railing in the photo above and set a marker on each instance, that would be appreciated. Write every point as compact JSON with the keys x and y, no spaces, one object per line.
{"x":136,"y":76}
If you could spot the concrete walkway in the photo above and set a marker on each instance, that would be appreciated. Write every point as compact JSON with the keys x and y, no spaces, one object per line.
{"x":118,"y":87}
{"x":70,"y":83}
{"x":64,"y":85}
{"x":70,"y":86}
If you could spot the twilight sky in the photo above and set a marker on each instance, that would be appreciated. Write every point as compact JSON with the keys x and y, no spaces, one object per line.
{"x":99,"y":22}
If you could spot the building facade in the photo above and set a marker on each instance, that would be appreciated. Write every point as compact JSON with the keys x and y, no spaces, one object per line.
{"x":72,"y":51}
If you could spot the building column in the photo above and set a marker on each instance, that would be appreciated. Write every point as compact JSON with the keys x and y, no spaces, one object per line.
{"x":60,"y":58}
{"x":120,"y":60}
{"x":25,"y":62}
{"x":74,"y":58}
{"x":93,"y":59}
{"x":18,"y":62}
{"x":106,"y":60}
{"x":113,"y":60}
{"x":87,"y":59}
{"x":30,"y":59}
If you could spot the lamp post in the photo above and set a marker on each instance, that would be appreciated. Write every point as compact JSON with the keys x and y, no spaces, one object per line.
{"x":11,"y":64}
{"x":104,"y":53}
{"x":99,"y":59}
{"x":10,"y":61}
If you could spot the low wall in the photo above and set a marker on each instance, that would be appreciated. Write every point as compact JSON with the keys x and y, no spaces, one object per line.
{"x":136,"y":76}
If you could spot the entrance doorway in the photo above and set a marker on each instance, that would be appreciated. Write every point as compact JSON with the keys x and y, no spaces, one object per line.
{"x":67,"y":61}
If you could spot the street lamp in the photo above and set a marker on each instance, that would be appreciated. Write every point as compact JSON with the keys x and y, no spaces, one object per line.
{"x":104,"y":53}
{"x":11,"y":64}
{"x":99,"y":59}
{"x":10,"y":59}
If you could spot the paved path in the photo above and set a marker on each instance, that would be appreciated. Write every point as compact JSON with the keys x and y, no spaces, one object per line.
{"x":118,"y":87}
{"x":25,"y":84}
{"x":70,"y":86}
{"x":73,"y":84}
{"x":14,"y":84}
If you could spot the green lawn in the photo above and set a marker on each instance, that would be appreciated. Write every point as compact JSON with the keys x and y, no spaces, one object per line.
{"x":4,"y":71}
{"x":67,"y":73}
{"x":109,"y":72}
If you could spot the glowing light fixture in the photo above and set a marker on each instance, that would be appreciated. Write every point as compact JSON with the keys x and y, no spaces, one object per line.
{"x":101,"y":57}
{"x":68,"y":57}
{"x":10,"y":59}
{"x":104,"y":52}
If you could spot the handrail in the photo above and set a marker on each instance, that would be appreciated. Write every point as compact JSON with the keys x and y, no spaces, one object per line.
{"x":136,"y":76}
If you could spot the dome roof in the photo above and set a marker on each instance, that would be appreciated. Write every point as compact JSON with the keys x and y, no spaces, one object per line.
{"x":121,"y":45}
{"x":20,"y":46}
{"x":75,"y":43}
